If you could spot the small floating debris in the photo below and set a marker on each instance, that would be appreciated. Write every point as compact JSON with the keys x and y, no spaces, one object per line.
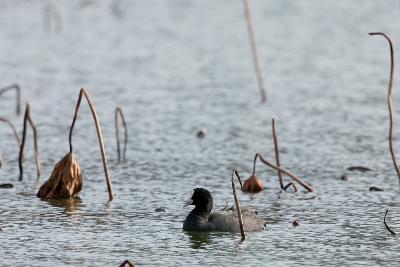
{"x":160,"y":210}
{"x":375,"y":189}
{"x":201,"y":133}
{"x":6,"y":186}
{"x":295,"y":223}
{"x":127,"y":263}
{"x":359,"y":168}
{"x":344,"y":178}
{"x":387,"y":227}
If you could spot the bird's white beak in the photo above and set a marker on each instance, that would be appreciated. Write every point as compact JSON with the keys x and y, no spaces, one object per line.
{"x":188,"y":202}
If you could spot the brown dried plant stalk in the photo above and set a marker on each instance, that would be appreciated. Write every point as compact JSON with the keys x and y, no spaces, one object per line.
{"x":28,"y":119}
{"x":127,"y":262}
{"x":276,"y":147}
{"x":118,"y":110}
{"x":390,"y":102}
{"x":278,"y":164}
{"x":237,"y":204}
{"x":13,"y":129}
{"x":393,"y":233}
{"x":17,"y":89}
{"x":83,"y":92}
{"x":254,"y":50}
{"x":295,"y":178}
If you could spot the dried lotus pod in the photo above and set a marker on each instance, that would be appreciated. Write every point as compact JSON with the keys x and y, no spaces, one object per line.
{"x":253,"y":185}
{"x":65,"y":180}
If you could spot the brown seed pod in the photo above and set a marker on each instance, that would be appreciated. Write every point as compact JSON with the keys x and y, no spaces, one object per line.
{"x":65,"y":180}
{"x":253,"y":185}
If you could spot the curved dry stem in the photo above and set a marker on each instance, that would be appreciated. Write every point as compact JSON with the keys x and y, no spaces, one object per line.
{"x":387,"y":227}
{"x":17,"y":89}
{"x":28,"y":119}
{"x":276,"y":147}
{"x":237,"y":204}
{"x":83,"y":92}
{"x":239,"y":178}
{"x":290,"y":184}
{"x":294,"y":177}
{"x":390,"y":102}
{"x":13,"y":129}
{"x":254,"y":50}
{"x":127,"y":262}
{"x":118,"y":110}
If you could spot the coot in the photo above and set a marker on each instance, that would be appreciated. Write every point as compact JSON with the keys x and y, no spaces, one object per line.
{"x":226,"y":220}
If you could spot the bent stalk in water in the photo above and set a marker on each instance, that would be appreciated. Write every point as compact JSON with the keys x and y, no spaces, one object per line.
{"x":83,"y":92}
{"x":278,"y":164}
{"x":390,"y":102}
{"x":254,"y":50}
{"x":13,"y":130}
{"x":276,"y":147}
{"x":393,"y":233}
{"x":118,"y":110}
{"x":237,"y":204}
{"x":297,"y":179}
{"x":17,"y":89}
{"x":28,"y":118}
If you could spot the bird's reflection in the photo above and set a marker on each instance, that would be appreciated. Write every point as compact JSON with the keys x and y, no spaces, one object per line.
{"x":199,"y":239}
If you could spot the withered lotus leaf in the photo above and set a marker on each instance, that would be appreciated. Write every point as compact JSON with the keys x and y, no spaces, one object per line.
{"x":65,"y":180}
{"x":253,"y":185}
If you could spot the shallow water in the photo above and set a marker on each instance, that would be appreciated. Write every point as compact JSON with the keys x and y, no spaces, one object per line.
{"x":176,"y":66}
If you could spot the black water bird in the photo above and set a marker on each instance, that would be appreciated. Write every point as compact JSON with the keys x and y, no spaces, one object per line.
{"x":201,"y":219}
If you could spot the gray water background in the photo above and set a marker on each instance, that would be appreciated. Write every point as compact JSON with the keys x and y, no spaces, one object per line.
{"x":175,"y":66}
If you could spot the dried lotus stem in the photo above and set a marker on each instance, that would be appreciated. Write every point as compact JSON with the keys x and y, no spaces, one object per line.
{"x":13,"y":129}
{"x":127,"y":262}
{"x":390,"y":102}
{"x":118,"y":110}
{"x":393,"y":233}
{"x":277,"y":153}
{"x":288,"y":185}
{"x":297,"y":179}
{"x":28,"y":119}
{"x":254,"y":50}
{"x":83,"y":92}
{"x":17,"y":89}
{"x":239,"y":212}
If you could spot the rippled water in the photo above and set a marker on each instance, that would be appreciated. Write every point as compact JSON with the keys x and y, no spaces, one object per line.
{"x":175,"y":66}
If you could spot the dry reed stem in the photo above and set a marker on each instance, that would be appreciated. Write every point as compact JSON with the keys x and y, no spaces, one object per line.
{"x":276,"y":147}
{"x":83,"y":92}
{"x":288,"y":185}
{"x":390,"y":102}
{"x":387,"y":227}
{"x":237,"y":204}
{"x":297,"y":179}
{"x":254,"y":50}
{"x":118,"y":110}
{"x":13,"y":129}
{"x":28,"y":118}
{"x":127,"y":262}
{"x":17,"y":89}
